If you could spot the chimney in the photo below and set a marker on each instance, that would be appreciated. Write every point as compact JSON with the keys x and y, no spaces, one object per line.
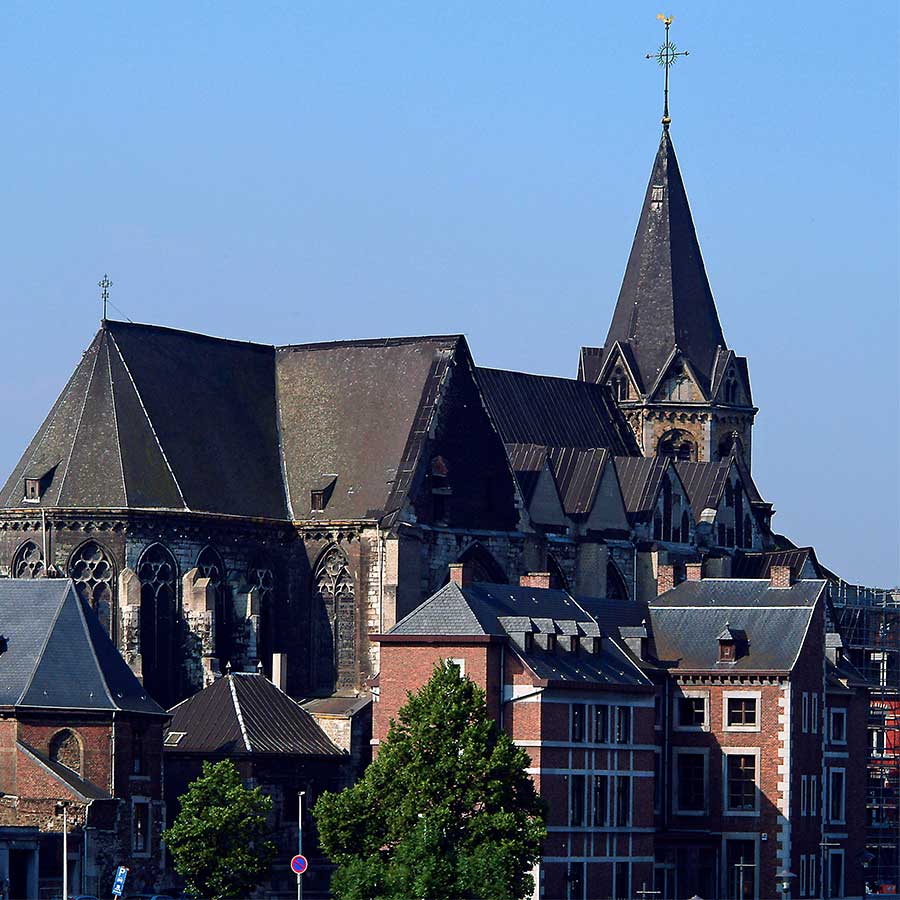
{"x":461,"y":574}
{"x":279,"y":670}
{"x":665,"y":579}
{"x":535,"y":580}
{"x":694,"y":571}
{"x":780,"y":577}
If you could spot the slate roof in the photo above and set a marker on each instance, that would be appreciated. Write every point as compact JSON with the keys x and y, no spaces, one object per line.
{"x":665,"y":300}
{"x":704,"y":483}
{"x":640,"y":479}
{"x":578,"y":472}
{"x":501,"y":610}
{"x":687,"y":620}
{"x":554,"y":412}
{"x":56,"y":654}
{"x":245,"y":714}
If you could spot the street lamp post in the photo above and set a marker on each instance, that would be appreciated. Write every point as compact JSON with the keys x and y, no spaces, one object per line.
{"x":785,"y":878}
{"x":63,"y":805}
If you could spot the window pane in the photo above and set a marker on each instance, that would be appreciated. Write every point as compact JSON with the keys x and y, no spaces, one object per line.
{"x":601,"y":800}
{"x":623,"y":724}
{"x":577,"y":722}
{"x":576,"y":801}
{"x":692,"y":711}
{"x":741,"y":782}
{"x":691,"y":771}
{"x":623,"y":800}
{"x":740,"y":863}
{"x":601,"y":724}
{"x":741,"y":710}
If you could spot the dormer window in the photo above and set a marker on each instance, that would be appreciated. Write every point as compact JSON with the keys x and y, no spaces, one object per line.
{"x":32,"y":489}
{"x":727,"y":645}
{"x":317,"y":500}
{"x":320,"y":492}
{"x":656,"y":196}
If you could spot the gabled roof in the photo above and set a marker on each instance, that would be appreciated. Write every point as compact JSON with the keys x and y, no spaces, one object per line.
{"x":704,"y":483}
{"x":528,"y":461}
{"x":554,"y":412}
{"x":688,"y":620}
{"x":81,"y":787}
{"x":640,"y":478}
{"x":501,"y":611}
{"x":665,"y":300}
{"x":758,"y":564}
{"x":56,"y":655}
{"x":243,"y":713}
{"x":578,"y":472}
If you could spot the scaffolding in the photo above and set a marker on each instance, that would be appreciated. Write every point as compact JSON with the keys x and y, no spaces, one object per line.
{"x":868,"y":621}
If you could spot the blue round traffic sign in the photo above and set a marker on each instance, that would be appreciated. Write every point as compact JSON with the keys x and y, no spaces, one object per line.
{"x":299,"y":864}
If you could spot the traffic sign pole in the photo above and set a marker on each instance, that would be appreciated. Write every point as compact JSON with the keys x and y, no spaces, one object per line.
{"x":300,"y":841}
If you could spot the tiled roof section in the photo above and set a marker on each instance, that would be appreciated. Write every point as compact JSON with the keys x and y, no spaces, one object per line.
{"x":640,"y":478}
{"x":359,"y":410}
{"x":57,"y":654}
{"x":246,"y":714}
{"x":126,"y":429}
{"x":665,"y":300}
{"x":554,"y":412}
{"x":704,"y":483}
{"x":504,"y":610}
{"x":80,"y":786}
{"x":687,"y":621}
{"x":578,"y":472}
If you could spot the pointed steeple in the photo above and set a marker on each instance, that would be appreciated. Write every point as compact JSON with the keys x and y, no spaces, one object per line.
{"x":665,"y":301}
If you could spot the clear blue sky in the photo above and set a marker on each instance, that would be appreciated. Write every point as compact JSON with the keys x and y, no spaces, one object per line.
{"x":302,"y":171}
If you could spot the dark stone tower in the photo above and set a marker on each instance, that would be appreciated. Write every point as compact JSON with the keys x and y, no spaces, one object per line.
{"x":684,"y":393}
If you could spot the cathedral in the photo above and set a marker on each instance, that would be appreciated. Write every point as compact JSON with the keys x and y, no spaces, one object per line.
{"x":218,"y":502}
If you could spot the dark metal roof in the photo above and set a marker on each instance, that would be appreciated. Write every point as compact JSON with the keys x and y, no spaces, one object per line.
{"x":704,"y":483}
{"x":687,"y":621}
{"x":241,"y":714}
{"x":665,"y":300}
{"x":527,"y":462}
{"x":578,"y":472}
{"x":57,"y":654}
{"x":758,"y":564}
{"x":554,"y":412}
{"x":640,"y":479}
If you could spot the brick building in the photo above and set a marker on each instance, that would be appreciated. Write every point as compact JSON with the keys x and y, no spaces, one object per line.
{"x":697,"y":744}
{"x":76,"y":728}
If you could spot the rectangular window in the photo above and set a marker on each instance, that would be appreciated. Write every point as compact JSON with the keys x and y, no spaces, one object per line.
{"x":814,"y":714}
{"x":576,"y":800}
{"x":813,"y":794}
{"x":657,"y":711}
{"x":576,"y":881}
{"x":813,"y":881}
{"x":623,"y":881}
{"x":460,"y":664}
{"x":623,"y":724}
{"x":802,"y":875}
{"x":577,"y":722}
{"x":877,"y":742}
{"x":601,"y":724}
{"x":741,"y":712}
{"x":836,"y":873}
{"x":690,"y":772}
{"x":657,"y":781}
{"x":138,"y":763}
{"x":140,"y":826}
{"x":836,"y":797}
{"x":740,"y":792}
{"x":692,"y":712}
{"x":601,"y":801}
{"x":740,"y":868}
{"x":805,"y":714}
{"x":804,"y":792}
{"x":838,"y":726}
{"x":623,"y":800}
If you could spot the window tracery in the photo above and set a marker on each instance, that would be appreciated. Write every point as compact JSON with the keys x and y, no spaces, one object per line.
{"x":65,"y":749}
{"x":677,"y":444}
{"x":335,"y":588}
{"x":210,"y":566}
{"x":158,"y":574}
{"x":92,"y":570}
{"x":261,"y":577}
{"x":28,"y":561}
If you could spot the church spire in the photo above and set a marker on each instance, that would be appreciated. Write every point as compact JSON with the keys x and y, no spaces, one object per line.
{"x":667,"y":56}
{"x":665,"y":301}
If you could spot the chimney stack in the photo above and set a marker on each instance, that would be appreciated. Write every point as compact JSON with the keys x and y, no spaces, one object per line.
{"x":461,"y":574}
{"x":780,"y":577}
{"x":535,"y":580}
{"x":694,"y":571}
{"x":665,"y":579}
{"x":279,"y":670}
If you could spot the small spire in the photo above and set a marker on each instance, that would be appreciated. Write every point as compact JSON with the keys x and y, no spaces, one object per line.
{"x":259,"y":667}
{"x":228,"y":667}
{"x":104,"y":284}
{"x":666,"y":56}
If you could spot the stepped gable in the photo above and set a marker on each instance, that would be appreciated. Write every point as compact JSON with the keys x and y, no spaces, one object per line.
{"x":554,"y":412}
{"x":245,"y":714}
{"x":665,"y":301}
{"x":56,"y":654}
{"x":358,"y":413}
{"x":148,"y":421}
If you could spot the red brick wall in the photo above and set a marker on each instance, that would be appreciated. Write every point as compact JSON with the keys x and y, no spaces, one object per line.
{"x":95,"y":739}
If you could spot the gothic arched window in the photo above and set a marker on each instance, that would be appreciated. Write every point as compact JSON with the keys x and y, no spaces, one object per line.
{"x":729,"y":494}
{"x":334,"y":586}
{"x":483,"y":565}
{"x":657,"y":526}
{"x":65,"y":749}
{"x":616,"y":588}
{"x":685,"y":527}
{"x":158,"y":574}
{"x":731,"y":389}
{"x":677,"y":444}
{"x":210,"y":566}
{"x":92,"y":570}
{"x":28,"y":561}
{"x":667,"y":509}
{"x":726,"y":445}
{"x":748,"y":530}
{"x":619,"y":384}
{"x":261,"y":577}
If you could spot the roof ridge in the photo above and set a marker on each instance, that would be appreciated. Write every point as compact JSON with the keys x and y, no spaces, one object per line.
{"x":238,"y":713}
{"x":140,"y":400}
{"x":81,"y":617}
{"x":112,"y":400}
{"x":183,"y":331}
{"x":370,"y":342}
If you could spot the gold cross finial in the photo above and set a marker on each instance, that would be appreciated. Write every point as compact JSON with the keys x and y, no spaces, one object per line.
{"x":666,"y":56}
{"x":104,"y":284}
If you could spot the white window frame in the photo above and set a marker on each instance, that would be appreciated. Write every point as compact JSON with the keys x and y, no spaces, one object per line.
{"x":831,"y":715}
{"x":812,"y":875}
{"x":804,"y":794}
{"x":739,"y":836}
{"x":742,"y":695}
{"x":147,"y":852}
{"x":693,"y":751}
{"x":836,"y":852}
{"x":805,"y":714}
{"x":831,"y":773}
{"x":813,"y":794}
{"x":814,"y":713}
{"x":459,"y":663}
{"x":739,"y":751}
{"x":803,"y":873}
{"x":691,"y":693}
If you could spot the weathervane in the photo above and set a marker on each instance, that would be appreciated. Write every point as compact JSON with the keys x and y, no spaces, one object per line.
{"x":666,"y":56}
{"x":104,"y":284}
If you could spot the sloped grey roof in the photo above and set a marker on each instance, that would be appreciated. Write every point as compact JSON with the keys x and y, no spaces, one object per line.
{"x":578,"y":472}
{"x":81,"y":786}
{"x":245,"y":713}
{"x":704,"y":483}
{"x":640,"y":478}
{"x":687,"y":621}
{"x":57,"y":654}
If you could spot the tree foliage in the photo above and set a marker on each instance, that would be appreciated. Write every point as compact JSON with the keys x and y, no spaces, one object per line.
{"x":218,"y":840}
{"x":446,"y":810}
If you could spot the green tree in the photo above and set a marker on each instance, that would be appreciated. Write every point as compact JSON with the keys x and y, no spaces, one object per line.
{"x":218,"y":840}
{"x":446,"y":809}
